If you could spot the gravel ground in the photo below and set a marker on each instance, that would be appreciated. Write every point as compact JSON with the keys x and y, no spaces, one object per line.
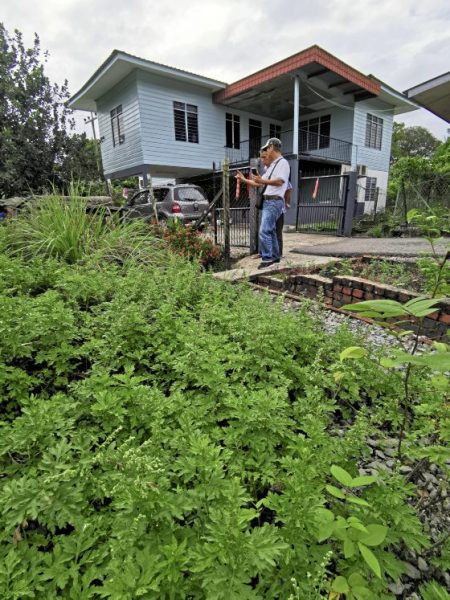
{"x":377,"y":336}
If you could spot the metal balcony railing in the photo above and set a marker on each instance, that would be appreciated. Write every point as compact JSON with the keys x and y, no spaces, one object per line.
{"x":314,"y":145}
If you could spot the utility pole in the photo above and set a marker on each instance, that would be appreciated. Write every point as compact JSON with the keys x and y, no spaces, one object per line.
{"x":92,"y":120}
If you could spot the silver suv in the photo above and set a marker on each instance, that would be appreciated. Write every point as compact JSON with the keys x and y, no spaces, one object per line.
{"x":183,"y":201}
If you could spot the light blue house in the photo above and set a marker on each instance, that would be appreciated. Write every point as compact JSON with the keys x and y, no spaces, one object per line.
{"x":174,"y":124}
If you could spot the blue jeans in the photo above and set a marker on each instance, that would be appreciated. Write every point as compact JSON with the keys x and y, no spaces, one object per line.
{"x":268,"y":242}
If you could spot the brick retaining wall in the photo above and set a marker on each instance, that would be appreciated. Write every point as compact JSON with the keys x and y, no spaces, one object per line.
{"x":342,"y":290}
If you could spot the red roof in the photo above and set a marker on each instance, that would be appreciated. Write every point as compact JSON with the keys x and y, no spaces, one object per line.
{"x":314,"y":54}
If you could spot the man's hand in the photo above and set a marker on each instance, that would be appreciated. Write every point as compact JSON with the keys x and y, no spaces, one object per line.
{"x":258,"y":179}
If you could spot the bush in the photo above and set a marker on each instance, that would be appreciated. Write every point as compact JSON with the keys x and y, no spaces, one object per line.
{"x":189,"y":243}
{"x":54,"y":227}
{"x":165,"y":435}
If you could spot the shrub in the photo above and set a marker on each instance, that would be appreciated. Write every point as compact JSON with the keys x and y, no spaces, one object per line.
{"x":170,"y":436}
{"x":54,"y":227}
{"x":189,"y":243}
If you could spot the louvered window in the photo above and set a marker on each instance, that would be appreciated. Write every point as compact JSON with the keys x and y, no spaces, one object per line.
{"x":185,"y":117}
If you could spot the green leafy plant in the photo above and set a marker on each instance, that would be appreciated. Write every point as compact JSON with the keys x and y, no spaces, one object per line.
{"x":167,"y":435}
{"x":189,"y":243}
{"x":435,"y":268}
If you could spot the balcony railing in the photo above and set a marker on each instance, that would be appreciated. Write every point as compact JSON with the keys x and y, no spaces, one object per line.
{"x":313,"y":145}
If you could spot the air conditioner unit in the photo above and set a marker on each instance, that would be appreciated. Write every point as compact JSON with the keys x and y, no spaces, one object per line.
{"x":361,"y":170}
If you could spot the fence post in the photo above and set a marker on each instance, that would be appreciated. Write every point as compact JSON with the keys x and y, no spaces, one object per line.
{"x":253,"y":214}
{"x":226,"y":210}
{"x":350,"y":203}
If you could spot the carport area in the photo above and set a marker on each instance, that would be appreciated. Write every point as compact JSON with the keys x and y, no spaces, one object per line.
{"x":434,"y":95}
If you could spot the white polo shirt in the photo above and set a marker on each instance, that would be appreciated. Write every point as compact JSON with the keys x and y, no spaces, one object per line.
{"x":279,"y":169}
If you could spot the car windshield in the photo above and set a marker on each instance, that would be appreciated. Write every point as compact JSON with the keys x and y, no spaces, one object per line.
{"x":189,"y":194}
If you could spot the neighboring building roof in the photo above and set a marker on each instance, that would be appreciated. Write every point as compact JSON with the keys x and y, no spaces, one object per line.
{"x":434,"y":95}
{"x":117,"y":66}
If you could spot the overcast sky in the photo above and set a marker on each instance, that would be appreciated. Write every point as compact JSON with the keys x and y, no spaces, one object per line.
{"x":402,"y":42}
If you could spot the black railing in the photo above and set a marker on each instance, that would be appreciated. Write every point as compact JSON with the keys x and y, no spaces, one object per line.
{"x":313,"y":145}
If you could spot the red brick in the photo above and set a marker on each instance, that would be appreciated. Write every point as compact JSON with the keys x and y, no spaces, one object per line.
{"x":346,"y":299}
{"x":369,"y":296}
{"x":358,"y":293}
{"x":347,"y":291}
{"x":444,"y":318}
{"x":337,"y":288}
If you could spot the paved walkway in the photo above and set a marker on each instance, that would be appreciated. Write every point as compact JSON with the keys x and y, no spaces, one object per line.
{"x":321,"y":245}
{"x":305,"y":249}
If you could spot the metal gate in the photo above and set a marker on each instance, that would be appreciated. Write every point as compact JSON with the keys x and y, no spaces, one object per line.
{"x":239,"y":206}
{"x":322,"y":204}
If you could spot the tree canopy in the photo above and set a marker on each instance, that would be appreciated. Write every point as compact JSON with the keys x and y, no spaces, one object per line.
{"x":412,"y":142}
{"x":37,"y":151}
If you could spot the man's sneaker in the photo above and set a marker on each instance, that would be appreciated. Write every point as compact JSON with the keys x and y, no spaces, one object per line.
{"x":265,"y":263}
{"x":277,"y":260}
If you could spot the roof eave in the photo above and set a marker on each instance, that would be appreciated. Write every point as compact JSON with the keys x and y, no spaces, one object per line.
{"x":85,"y":98}
{"x":401,"y":104}
{"x":292,"y":64}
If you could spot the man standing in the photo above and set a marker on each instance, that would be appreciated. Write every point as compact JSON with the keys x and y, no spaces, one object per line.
{"x":275,"y":181}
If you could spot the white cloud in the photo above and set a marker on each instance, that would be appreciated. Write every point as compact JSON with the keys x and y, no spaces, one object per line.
{"x":403,"y":43}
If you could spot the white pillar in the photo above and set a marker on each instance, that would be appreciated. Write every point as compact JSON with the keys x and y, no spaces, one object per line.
{"x":296,"y":115}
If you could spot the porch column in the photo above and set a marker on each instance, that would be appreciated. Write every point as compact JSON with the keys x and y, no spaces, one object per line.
{"x":296,"y":115}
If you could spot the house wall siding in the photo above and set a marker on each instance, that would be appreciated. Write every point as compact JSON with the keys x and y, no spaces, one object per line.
{"x":341,"y":127}
{"x":372,"y":158}
{"x":128,"y":154}
{"x":156,"y":97}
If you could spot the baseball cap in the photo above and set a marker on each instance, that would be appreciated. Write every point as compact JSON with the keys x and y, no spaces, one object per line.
{"x":275,"y":142}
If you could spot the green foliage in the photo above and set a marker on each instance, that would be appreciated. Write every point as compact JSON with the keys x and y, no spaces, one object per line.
{"x":36,"y":151}
{"x":188,"y":243}
{"x":441,"y":158}
{"x":434,"y":591}
{"x":412,"y":142}
{"x":437,"y":362}
{"x":436,"y":269}
{"x":54,"y":227}
{"x":143,"y":456}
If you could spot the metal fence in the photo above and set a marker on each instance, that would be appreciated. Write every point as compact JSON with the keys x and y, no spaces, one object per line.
{"x":239,"y":225}
{"x":426,"y":192}
{"x":311,"y":144}
{"x":322,"y":203}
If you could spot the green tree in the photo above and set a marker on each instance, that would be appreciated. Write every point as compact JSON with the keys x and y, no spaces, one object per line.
{"x":81,"y":162}
{"x":34,"y":120}
{"x":412,"y":142}
{"x":440,"y":160}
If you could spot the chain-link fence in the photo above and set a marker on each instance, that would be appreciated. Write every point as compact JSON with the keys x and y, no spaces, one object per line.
{"x":424,"y":192}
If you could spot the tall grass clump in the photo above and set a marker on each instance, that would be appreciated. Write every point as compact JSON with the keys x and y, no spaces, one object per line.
{"x":56,"y":227}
